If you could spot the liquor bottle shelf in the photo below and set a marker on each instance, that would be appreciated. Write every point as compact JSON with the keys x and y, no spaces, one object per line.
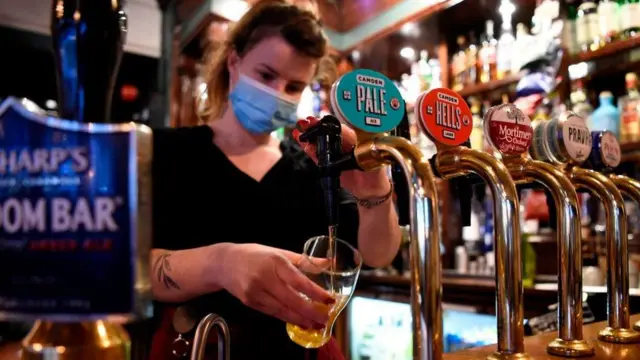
{"x":610,"y":49}
{"x":489,"y":86}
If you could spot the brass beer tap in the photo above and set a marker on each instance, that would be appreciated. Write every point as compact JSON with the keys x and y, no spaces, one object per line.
{"x":552,"y":145}
{"x":606,"y":156}
{"x":446,"y":119}
{"x":372,"y":105}
{"x":509,"y":131}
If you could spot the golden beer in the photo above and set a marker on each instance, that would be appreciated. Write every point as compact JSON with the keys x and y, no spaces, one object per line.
{"x":312,"y":338}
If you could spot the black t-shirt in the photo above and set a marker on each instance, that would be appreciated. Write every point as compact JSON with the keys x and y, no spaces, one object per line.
{"x":200,"y":198}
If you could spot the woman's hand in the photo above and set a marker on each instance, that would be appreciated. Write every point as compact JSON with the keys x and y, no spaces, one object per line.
{"x":359,"y":183}
{"x":266,"y":279}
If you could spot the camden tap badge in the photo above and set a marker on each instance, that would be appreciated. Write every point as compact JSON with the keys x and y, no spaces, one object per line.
{"x":368,"y":101}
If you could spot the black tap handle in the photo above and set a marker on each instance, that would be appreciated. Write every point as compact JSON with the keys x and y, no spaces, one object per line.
{"x":327,"y":136}
{"x":88,"y":41}
{"x":399,"y":178}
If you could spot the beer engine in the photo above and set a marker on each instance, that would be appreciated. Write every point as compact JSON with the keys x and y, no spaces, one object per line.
{"x":81,"y":188}
{"x":75,"y":226}
{"x":446,"y":119}
{"x":372,"y":105}
{"x":509,"y":132}
{"x":606,"y":156}
{"x":553,"y":144}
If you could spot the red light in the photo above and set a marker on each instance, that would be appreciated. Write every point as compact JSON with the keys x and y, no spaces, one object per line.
{"x":129,"y":92}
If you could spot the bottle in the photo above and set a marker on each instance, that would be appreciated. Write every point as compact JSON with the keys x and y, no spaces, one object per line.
{"x":424,"y":70}
{"x":579,"y":101}
{"x":608,"y":21}
{"x":477,"y":134}
{"x":529,"y":227}
{"x":460,"y":65}
{"x":94,"y":183}
{"x":472,"y":61}
{"x":488,"y":55}
{"x":629,"y":106}
{"x":629,"y":17}
{"x":606,"y":116}
{"x":587,"y":28}
{"x":505,"y":49}
{"x":569,"y":31}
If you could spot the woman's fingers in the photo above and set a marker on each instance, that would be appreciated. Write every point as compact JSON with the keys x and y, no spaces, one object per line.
{"x":273,"y":307}
{"x":293,"y":285}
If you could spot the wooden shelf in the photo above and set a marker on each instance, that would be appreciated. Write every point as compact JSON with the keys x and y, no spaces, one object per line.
{"x":611,"y":49}
{"x":482,"y":88}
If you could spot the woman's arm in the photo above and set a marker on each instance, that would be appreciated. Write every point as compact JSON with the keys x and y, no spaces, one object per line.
{"x":378,"y":231}
{"x":182,"y":275}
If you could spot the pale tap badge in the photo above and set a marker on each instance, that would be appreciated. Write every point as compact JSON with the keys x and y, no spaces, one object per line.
{"x":444,"y":117}
{"x":368,"y":101}
{"x":508,"y":130}
{"x":606,"y":150}
{"x":68,"y":207}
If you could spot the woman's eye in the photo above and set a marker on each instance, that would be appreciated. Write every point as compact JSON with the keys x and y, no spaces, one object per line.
{"x":266,"y":76}
{"x":294,"y":89}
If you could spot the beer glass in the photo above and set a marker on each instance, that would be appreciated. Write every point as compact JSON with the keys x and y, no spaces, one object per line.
{"x":335,"y":267}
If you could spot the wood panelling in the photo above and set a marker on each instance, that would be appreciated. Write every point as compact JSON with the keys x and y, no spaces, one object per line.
{"x":357,"y":12}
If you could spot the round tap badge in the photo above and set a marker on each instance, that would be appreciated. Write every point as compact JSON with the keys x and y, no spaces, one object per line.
{"x":367,"y":100}
{"x":445,"y":117}
{"x":508,"y":129}
{"x":576,"y":138}
{"x":610,"y":149}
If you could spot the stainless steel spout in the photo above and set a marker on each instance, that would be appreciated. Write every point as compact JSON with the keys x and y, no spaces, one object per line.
{"x":202,"y":333}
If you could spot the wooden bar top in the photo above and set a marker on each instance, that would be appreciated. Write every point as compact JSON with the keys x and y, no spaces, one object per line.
{"x":536,"y":346}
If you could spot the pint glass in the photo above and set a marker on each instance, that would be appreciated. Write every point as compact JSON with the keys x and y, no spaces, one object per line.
{"x":335,"y":268}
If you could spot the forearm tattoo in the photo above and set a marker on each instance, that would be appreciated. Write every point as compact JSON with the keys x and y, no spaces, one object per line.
{"x":162,"y":268}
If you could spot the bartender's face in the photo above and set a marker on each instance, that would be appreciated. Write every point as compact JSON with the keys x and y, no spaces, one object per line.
{"x":276,"y":64}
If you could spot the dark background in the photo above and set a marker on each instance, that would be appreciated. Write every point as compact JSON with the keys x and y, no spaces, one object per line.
{"x":28,"y":71}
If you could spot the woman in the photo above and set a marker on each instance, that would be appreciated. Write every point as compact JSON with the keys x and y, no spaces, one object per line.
{"x":233,"y":206}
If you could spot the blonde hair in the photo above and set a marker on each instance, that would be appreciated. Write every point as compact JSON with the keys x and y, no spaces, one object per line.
{"x":297,"y":26}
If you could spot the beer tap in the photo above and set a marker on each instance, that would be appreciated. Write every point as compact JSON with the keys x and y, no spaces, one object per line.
{"x":556,"y":142}
{"x":509,"y":132}
{"x":202,"y":333}
{"x":606,"y":156}
{"x":446,"y":119}
{"x":83,"y":274}
{"x":372,"y":105}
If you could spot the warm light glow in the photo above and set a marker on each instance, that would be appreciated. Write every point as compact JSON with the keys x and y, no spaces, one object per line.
{"x":410,"y":29}
{"x":234,"y":10}
{"x":408,"y":53}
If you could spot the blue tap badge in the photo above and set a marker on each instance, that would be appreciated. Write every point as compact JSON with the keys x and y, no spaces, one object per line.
{"x":67,"y":217}
{"x":367,"y":100}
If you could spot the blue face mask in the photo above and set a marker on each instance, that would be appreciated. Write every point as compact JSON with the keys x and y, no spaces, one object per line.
{"x":259,"y":108}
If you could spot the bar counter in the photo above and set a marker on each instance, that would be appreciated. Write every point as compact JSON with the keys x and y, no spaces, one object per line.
{"x":536,"y":346}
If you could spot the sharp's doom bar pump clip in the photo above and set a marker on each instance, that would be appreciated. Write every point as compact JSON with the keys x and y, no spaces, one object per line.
{"x":447,"y":121}
{"x":372,"y":105}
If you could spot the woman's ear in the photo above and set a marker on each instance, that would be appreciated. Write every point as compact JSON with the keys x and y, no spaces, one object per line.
{"x":233,"y":62}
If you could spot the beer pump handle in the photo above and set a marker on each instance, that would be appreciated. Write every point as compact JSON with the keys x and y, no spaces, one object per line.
{"x":399,"y":179}
{"x":88,"y":42}
{"x":327,"y":136}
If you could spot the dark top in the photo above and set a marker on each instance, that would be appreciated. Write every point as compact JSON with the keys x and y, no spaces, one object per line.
{"x":201,"y":198}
